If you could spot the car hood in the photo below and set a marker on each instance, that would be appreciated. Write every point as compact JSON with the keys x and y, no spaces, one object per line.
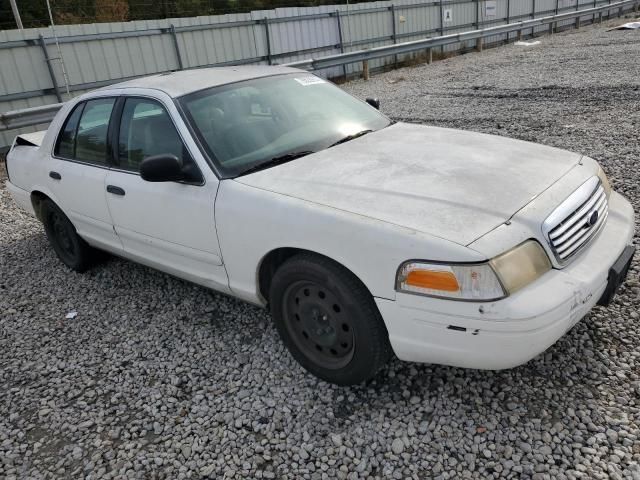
{"x":452,"y":184}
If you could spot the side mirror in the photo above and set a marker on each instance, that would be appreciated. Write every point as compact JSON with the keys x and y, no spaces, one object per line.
{"x":162,"y":168}
{"x":374,"y":102}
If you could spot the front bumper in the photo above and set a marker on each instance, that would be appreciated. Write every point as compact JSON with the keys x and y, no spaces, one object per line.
{"x":509,"y":332}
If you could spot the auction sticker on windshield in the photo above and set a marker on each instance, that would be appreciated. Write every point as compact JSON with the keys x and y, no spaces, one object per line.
{"x":310,"y":80}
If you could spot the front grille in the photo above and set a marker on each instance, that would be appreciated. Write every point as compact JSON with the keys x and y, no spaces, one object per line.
{"x":581,"y":219}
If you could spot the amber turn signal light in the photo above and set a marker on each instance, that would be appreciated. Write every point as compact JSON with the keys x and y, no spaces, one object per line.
{"x":434,"y":280}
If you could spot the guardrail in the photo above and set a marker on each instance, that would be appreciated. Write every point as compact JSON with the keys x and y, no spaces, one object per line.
{"x":28,"y":117}
{"x":41,"y":115}
{"x":424,"y":44}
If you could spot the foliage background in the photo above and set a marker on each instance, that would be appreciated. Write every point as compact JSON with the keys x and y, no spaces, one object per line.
{"x":34,"y":12}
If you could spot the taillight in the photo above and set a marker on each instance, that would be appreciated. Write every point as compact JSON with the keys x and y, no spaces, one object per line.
{"x":6,"y":164}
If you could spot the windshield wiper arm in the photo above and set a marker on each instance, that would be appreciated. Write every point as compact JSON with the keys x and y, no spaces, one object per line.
{"x":350,"y":137}
{"x":272,"y":162}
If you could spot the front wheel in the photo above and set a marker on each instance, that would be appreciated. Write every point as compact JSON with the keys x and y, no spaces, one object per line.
{"x":328,"y":320}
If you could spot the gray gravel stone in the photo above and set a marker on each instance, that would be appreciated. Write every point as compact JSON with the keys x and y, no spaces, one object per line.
{"x":397,"y":446}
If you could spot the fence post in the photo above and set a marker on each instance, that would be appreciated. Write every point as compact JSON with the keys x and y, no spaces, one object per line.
{"x":479,"y":40}
{"x":52,"y":74}
{"x":365,"y":69}
{"x":595,"y":4}
{"x":344,"y":67}
{"x":577,"y":18}
{"x":268,"y":37}
{"x":441,"y":25}
{"x":533,"y":16}
{"x":508,"y":18}
{"x":392,"y":9}
{"x":553,"y":26}
{"x":429,"y":56}
{"x":172,"y":30}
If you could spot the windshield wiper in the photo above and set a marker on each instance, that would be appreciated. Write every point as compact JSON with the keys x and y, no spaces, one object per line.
{"x":350,"y":137}
{"x":287,"y":157}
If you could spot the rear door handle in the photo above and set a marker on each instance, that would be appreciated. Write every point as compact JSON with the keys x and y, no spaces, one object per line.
{"x":115,"y":190}
{"x":55,"y":175}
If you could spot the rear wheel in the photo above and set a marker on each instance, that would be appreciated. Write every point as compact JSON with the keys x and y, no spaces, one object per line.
{"x":74,"y":252}
{"x":328,"y":320}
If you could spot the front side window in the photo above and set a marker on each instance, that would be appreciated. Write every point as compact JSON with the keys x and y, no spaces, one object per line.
{"x":147,"y":130}
{"x":246,"y":124}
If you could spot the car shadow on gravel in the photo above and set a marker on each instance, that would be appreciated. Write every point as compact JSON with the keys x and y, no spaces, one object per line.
{"x":542,"y":390}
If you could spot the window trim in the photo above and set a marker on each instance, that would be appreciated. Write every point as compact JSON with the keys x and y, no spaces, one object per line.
{"x":82,"y":104}
{"x":114,"y":137}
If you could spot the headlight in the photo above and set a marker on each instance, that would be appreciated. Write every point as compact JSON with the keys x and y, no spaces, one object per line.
{"x":605,"y":182}
{"x":521,"y":265}
{"x":493,"y":280}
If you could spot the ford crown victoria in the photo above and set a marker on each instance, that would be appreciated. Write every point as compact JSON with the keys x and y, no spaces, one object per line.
{"x":365,"y":237}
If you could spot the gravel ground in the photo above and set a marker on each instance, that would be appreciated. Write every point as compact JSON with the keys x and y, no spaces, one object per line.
{"x":157,"y":378}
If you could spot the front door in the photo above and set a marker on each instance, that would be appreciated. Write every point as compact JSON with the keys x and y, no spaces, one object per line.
{"x":167,"y":225}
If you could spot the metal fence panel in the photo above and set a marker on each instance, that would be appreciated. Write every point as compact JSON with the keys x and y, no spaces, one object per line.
{"x":216,"y":45}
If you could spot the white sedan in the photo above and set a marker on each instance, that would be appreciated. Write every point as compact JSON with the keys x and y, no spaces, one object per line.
{"x":365,"y":237}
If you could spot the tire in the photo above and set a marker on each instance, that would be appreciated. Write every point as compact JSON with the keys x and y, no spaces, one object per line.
{"x":328,"y":320}
{"x":72,"y":250}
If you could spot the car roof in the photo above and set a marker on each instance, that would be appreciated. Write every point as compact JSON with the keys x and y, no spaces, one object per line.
{"x":182,"y":82}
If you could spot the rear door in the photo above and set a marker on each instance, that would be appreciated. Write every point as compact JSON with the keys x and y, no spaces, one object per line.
{"x":167,"y":225}
{"x":79,"y":168}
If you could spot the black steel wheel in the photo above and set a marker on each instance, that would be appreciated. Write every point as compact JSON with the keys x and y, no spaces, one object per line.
{"x":328,"y":320}
{"x":318,"y":324}
{"x":74,"y":252}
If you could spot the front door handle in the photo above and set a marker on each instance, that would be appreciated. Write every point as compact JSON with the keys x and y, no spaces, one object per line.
{"x":55,"y":175}
{"x":115,"y":190}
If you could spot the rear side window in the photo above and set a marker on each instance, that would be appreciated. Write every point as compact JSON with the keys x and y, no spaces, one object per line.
{"x":91,"y":140}
{"x":67,"y":141}
{"x":84,"y":135}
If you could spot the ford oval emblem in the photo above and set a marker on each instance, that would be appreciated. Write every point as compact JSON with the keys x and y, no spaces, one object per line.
{"x":593,"y":219}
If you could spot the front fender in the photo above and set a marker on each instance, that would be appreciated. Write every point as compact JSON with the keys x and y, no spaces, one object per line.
{"x":252,"y":222}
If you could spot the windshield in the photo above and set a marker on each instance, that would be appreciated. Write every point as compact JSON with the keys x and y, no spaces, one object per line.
{"x":245,"y":124}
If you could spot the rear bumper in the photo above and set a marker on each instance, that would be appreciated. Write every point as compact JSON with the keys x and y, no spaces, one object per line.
{"x":509,"y":332}
{"x":21,"y":197}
